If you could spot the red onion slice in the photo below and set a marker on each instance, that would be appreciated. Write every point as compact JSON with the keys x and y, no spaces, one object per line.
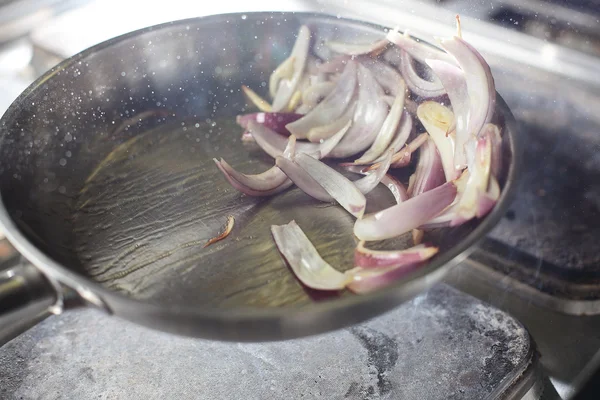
{"x":357,"y":49}
{"x":370,"y":181}
{"x":287,"y":87}
{"x":493,"y":132}
{"x":249,"y":191}
{"x":437,"y":120}
{"x":258,"y":101}
{"x":367,"y":258}
{"x":272,"y":120}
{"x":418,"y":50}
{"x":331,"y":108}
{"x":302,"y":179}
{"x":335,"y":65}
{"x":388,"y":130}
{"x":265,"y":184}
{"x":320,"y":133}
{"x":366,"y":280}
{"x":455,"y":84}
{"x":395,"y":186}
{"x":267,"y":180}
{"x":274,"y":144}
{"x":368,"y":118}
{"x":402,"y":157}
{"x":304,"y":259}
{"x":479,"y":80}
{"x":429,"y":173}
{"x":316,"y":93}
{"x":419,"y":86}
{"x":403,"y":217}
{"x":285,"y":70}
{"x":488,"y":200}
{"x":338,"y":186}
{"x":478,"y":182}
{"x":389,"y":79}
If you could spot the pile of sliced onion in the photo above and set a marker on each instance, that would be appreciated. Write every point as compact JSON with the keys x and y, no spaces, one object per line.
{"x":364,"y":106}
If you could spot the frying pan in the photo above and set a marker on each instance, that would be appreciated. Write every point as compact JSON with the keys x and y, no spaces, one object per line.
{"x":109,"y":191}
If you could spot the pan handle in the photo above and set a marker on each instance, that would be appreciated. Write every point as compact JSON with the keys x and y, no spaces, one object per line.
{"x":26,"y":298}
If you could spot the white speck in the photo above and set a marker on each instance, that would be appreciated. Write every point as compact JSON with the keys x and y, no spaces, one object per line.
{"x":68,"y":153}
{"x":197,"y":125}
{"x":123,"y":73}
{"x":244,"y":16}
{"x":62,"y":162}
{"x":68,"y":137}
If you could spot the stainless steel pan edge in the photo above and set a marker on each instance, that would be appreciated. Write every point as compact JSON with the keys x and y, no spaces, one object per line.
{"x":251,"y":324}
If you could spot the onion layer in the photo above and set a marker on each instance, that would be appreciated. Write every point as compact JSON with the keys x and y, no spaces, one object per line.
{"x":331,"y":108}
{"x":403,"y":217}
{"x":437,"y":120}
{"x":368,"y":117}
{"x":287,"y":87}
{"x":429,"y":173}
{"x":272,"y":120}
{"x":305,"y":261}
{"x":338,"y":186}
{"x":354,"y":49}
{"x":367,"y":258}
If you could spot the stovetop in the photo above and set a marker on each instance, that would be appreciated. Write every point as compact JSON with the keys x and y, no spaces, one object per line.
{"x":540,"y":265}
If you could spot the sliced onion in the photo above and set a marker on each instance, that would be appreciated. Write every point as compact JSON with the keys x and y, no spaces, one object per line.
{"x":267,"y":180}
{"x":420,"y":51}
{"x":366,"y":280}
{"x":249,"y":191}
{"x":369,"y":182}
{"x":247,"y":137}
{"x":417,"y":236}
{"x":287,"y":87}
{"x":419,"y":86}
{"x":302,"y":179}
{"x":437,"y":120}
{"x":258,"y":101}
{"x":338,"y":186}
{"x":493,"y":132}
{"x":274,"y":144}
{"x":402,"y":158}
{"x":388,"y":130}
{"x":488,"y":200}
{"x":480,"y":82}
{"x":368,"y":117}
{"x":429,"y":173}
{"x":455,"y":84}
{"x":285,"y":70}
{"x":331,"y":108}
{"x":317,"y":92}
{"x":272,"y":120}
{"x":478,"y":182}
{"x":445,"y":218}
{"x":305,"y":261}
{"x":224,"y":234}
{"x":354,"y":49}
{"x":402,"y":134}
{"x":367,"y":258}
{"x":323,"y":132}
{"x":403,"y":217}
{"x":395,"y":186}
{"x":389,"y":79}
{"x":335,"y":65}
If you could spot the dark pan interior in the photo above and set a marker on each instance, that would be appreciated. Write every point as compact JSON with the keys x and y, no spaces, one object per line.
{"x":106,"y":165}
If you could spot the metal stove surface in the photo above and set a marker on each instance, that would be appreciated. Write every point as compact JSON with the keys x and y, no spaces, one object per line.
{"x":442,"y":345}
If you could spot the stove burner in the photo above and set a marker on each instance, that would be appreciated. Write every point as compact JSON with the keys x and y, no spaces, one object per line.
{"x":442,"y":345}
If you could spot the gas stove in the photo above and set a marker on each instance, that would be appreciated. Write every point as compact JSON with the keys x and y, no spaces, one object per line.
{"x":520,"y":319}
